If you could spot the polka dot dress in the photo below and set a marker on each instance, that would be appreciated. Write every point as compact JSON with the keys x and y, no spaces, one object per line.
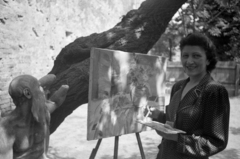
{"x":203,"y":114}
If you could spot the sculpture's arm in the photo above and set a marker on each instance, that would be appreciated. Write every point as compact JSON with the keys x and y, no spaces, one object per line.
{"x":58,"y":96}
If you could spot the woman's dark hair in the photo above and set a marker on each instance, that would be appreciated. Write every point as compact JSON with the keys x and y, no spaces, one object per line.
{"x":201,"y":40}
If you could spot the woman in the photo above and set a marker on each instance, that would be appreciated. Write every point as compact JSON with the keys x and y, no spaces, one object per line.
{"x":198,"y":105}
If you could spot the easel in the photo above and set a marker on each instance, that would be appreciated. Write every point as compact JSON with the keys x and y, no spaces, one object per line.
{"x":115,"y":156}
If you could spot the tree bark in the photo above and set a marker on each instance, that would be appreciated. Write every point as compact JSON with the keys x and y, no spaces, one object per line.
{"x":137,"y":32}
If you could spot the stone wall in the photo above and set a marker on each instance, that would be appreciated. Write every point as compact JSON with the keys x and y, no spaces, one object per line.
{"x":33,"y":32}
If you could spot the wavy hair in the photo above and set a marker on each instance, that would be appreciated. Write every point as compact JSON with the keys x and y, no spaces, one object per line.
{"x":201,"y":40}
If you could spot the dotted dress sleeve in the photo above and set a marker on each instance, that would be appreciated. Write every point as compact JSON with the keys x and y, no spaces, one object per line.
{"x":214,"y":137}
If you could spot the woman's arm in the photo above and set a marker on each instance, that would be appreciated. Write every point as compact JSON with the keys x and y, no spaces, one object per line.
{"x":160,"y":116}
{"x":214,"y":136}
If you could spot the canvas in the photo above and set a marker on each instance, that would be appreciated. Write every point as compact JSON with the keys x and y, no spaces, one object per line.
{"x":121,"y":85}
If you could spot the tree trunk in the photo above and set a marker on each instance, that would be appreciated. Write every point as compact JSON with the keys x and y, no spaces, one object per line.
{"x":137,"y":32}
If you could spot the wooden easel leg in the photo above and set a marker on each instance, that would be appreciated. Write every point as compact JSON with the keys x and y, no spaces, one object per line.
{"x":140,"y":146}
{"x":94,"y":151}
{"x":116,"y":147}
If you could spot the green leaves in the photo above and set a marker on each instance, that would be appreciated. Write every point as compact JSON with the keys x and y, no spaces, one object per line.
{"x":214,"y":31}
{"x":203,"y":14}
{"x":220,"y":19}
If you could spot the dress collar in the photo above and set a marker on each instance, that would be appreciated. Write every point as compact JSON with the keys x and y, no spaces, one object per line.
{"x":200,"y":86}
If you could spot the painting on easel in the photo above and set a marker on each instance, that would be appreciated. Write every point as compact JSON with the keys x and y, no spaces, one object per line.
{"x":121,"y":85}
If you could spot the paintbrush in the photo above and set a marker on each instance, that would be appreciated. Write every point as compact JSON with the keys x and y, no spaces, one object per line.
{"x":149,"y":111}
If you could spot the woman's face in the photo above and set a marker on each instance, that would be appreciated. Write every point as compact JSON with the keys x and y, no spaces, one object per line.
{"x":194,"y":61}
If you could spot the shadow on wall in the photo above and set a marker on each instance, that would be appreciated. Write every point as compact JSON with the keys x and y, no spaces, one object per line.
{"x":235,"y":131}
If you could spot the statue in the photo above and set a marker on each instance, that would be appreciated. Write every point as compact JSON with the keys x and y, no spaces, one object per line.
{"x":24,"y":132}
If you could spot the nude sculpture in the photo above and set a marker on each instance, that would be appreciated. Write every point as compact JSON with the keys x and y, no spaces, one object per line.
{"x":24,"y":133}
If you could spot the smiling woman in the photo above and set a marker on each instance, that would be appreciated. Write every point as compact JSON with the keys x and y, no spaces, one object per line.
{"x":194,"y":61}
{"x":198,"y":105}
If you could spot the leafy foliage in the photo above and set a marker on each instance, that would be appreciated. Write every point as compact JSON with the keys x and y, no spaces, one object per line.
{"x":219,"y":19}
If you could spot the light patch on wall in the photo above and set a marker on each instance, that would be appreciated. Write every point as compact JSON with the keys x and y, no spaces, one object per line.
{"x":110,"y":35}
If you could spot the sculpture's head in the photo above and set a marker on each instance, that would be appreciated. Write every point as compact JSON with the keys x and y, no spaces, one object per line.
{"x":26,"y":89}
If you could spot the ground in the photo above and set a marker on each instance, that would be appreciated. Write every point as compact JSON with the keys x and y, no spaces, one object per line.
{"x":69,"y":141}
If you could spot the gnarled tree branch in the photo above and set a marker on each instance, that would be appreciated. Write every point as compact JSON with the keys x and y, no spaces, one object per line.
{"x":138,"y":31}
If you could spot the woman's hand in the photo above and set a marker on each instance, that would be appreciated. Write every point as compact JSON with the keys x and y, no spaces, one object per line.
{"x":169,"y":133}
{"x":151,"y":112}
